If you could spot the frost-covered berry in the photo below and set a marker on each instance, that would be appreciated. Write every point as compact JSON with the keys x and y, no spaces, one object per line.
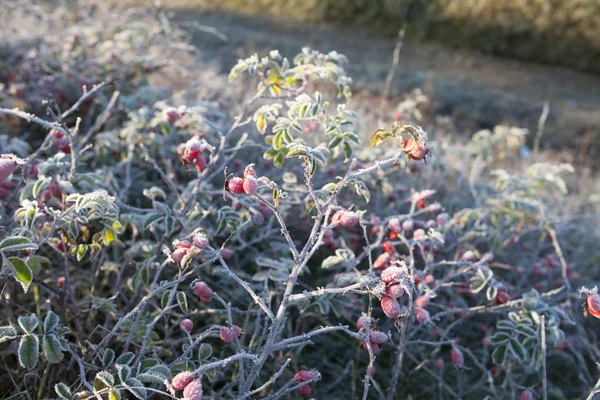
{"x":193,"y":391}
{"x":396,"y":290}
{"x":226,"y":253}
{"x":226,"y":335}
{"x":170,"y":114}
{"x":457,"y":357}
{"x":181,"y":380}
{"x":179,"y":254}
{"x":305,"y":390}
{"x":199,"y":240}
{"x":382,"y":261}
{"x":526,"y":395}
{"x":236,"y":185}
{"x":8,"y":163}
{"x":364,"y":322}
{"x":422,"y":301}
{"x":305,"y":375}
{"x":203,"y":292}
{"x":200,"y":163}
{"x":414,"y":149}
{"x":593,"y":303}
{"x":393,"y":275}
{"x":391,"y":307}
{"x":345,"y":218}
{"x":250,"y":185}
{"x":419,"y":234}
{"x":236,"y":330}
{"x":422,"y":315}
{"x":186,"y":325}
{"x":182,"y":244}
{"x":378,"y":337}
{"x":388,"y":247}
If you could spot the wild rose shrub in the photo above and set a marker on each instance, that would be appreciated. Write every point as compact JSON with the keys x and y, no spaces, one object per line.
{"x":173,"y":251}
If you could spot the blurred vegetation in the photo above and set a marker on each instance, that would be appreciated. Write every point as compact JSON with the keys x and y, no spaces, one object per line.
{"x":561,"y":32}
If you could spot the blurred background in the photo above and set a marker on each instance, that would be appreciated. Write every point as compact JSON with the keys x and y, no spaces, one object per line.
{"x":480,"y":62}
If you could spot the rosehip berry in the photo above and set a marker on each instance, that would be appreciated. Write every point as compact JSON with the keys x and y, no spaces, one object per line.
{"x":345,"y":218}
{"x":236,"y":185}
{"x":203,"y":292}
{"x":182,"y":244}
{"x":186,"y":325}
{"x":264,"y":210}
{"x":199,"y":240}
{"x":305,"y":390}
{"x":391,"y":307}
{"x":374,"y":347}
{"x":179,"y":254}
{"x":414,"y":149}
{"x":382,"y":261}
{"x":236,"y":330}
{"x":193,"y":391}
{"x":379,"y":337}
{"x":388,"y":247}
{"x":226,"y":253}
{"x":250,"y":185}
{"x":200,"y":163}
{"x":421,"y":204}
{"x":304,"y":376}
{"x":418,"y":234}
{"x":395,"y":290}
{"x":393,"y":275}
{"x":181,"y":380}
{"x":526,"y":395}
{"x":170,"y":114}
{"x":364,"y":322}
{"x":422,"y":301}
{"x":486,"y":341}
{"x":593,"y":304}
{"x":394,"y":225}
{"x":422,"y":315}
{"x":8,"y":163}
{"x":226,"y":335}
{"x":457,"y":357}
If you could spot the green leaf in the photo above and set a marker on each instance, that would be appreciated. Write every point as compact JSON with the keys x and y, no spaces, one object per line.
{"x":37,"y":263}
{"x":161,"y":370}
{"x":21,"y":272}
{"x":517,"y":349}
{"x":106,"y":377}
{"x":146,"y":377}
{"x":7,"y":332}
{"x":182,"y":301}
{"x":63,"y":391}
{"x":108,"y":357}
{"x":81,"y":250}
{"x":145,"y":275}
{"x":136,"y":388}
{"x":108,"y":236}
{"x":28,"y":323}
{"x":150,"y":220}
{"x":205,"y":351}
{"x":347,"y":151}
{"x":51,"y":322}
{"x":499,"y":354}
{"x":17,"y":243}
{"x":526,"y":330}
{"x":500,"y":338}
{"x":506,"y":325}
{"x":334,"y":142}
{"x":123,"y":371}
{"x":52,"y":349}
{"x":114,"y":395}
{"x":125,"y":358}
{"x":29,"y":351}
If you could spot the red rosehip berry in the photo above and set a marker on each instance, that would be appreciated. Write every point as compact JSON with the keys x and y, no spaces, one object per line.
{"x":236,"y":185}
{"x":422,"y":315}
{"x":395,"y":290}
{"x":414,"y":149}
{"x":422,"y":301}
{"x":374,"y":347}
{"x":226,"y":253}
{"x":8,"y":163}
{"x":305,"y":390}
{"x":393,"y":275}
{"x":457,"y":357}
{"x":250,"y":185}
{"x":203,"y":292}
{"x":593,"y":304}
{"x":199,"y":240}
{"x":236,"y":330}
{"x":364,"y":322}
{"x":526,"y":395}
{"x":388,"y":247}
{"x":170,"y":114}
{"x":186,"y":325}
{"x":391,"y":307}
{"x":378,"y":337}
{"x":181,"y":380}
{"x":382,"y":262}
{"x":200,"y":163}
{"x":193,"y":391}
{"x":439,"y":363}
{"x":249,"y":172}
{"x":179,"y":254}
{"x":345,"y":218}
{"x":226,"y":335}
{"x":305,"y":376}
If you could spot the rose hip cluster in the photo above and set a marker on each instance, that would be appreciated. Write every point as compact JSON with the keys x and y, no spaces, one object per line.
{"x":394,"y":278}
{"x":247,"y":185}
{"x":377,"y":338}
{"x":305,"y":376}
{"x":192,"y":388}
{"x":185,"y":249}
{"x":191,"y":153}
{"x":226,"y":334}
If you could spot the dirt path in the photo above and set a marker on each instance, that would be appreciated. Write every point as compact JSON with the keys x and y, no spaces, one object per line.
{"x":478,"y":91}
